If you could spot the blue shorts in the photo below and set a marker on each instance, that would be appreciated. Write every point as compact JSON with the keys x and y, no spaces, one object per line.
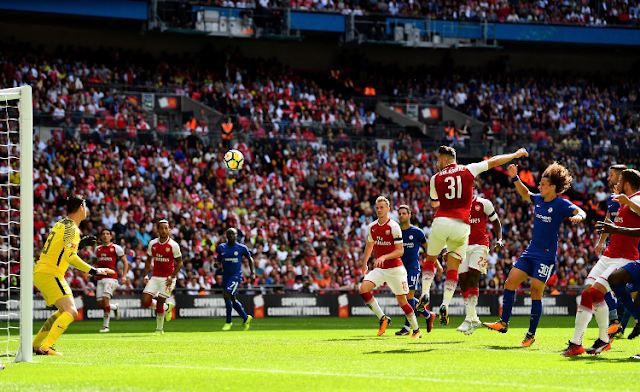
{"x":413,"y":277}
{"x":231,"y":284}
{"x":536,"y":268}
{"x":633,"y":269}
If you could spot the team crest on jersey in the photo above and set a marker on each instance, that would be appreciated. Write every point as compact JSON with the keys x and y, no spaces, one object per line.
{"x":235,"y":253}
{"x":550,"y":209}
{"x":410,"y":237}
{"x":387,"y":232}
{"x":70,"y":245}
{"x":167,"y":249}
{"x":477,"y":208}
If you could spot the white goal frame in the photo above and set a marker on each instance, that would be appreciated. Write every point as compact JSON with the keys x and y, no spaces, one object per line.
{"x":25,"y":107}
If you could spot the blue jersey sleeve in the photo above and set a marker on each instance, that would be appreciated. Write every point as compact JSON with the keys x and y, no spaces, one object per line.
{"x":219,"y":253}
{"x":423,"y":238}
{"x":569,"y":208}
{"x":246,"y":251}
{"x":535,"y":198}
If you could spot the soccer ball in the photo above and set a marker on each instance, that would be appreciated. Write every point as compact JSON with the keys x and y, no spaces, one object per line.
{"x":233,"y":160}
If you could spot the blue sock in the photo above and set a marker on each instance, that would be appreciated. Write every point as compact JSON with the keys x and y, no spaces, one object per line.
{"x":613,"y":306}
{"x":229,"y":305}
{"x":625,"y":319}
{"x":238,"y":307}
{"x":536,"y":312}
{"x":413,"y":302}
{"x":624,"y":296}
{"x":508,"y":298}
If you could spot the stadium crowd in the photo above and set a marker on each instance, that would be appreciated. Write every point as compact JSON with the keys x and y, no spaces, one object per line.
{"x":305,"y":198}
{"x":590,"y":13}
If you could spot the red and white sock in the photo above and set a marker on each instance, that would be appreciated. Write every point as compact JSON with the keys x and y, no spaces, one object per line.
{"x":601,"y":311}
{"x":465,"y":300}
{"x":450,"y":287}
{"x":371,"y":302}
{"x":428,"y":274}
{"x":583,"y":317}
{"x":411,"y":316}
{"x":105,"y":319}
{"x":160,"y":316}
{"x":113,"y":306}
{"x":472,"y":302}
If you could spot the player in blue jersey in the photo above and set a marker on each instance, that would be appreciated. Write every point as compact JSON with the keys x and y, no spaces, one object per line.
{"x":412,"y":239}
{"x":229,"y":258}
{"x":539,"y":259}
{"x":612,"y":210}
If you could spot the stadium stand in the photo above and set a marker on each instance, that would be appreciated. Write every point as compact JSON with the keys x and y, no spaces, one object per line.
{"x":314,"y":164}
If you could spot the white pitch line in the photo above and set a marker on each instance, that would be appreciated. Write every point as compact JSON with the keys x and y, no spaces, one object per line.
{"x":332,"y":374}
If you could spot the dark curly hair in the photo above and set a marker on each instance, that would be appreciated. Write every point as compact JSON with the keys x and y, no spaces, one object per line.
{"x":559,"y":176}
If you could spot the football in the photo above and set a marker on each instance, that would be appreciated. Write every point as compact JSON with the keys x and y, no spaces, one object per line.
{"x":233,"y":160}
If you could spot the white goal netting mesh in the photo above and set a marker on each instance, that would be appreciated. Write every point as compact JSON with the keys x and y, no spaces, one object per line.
{"x":9,"y":225}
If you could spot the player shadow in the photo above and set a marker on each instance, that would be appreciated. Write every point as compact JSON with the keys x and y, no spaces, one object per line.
{"x":354,"y":339}
{"x":599,"y":358}
{"x":503,"y":348}
{"x":441,"y":343}
{"x":400,"y":351}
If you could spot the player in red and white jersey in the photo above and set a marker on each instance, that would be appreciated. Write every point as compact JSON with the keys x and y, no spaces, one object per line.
{"x":106,"y":256}
{"x":451,"y":192}
{"x":621,"y":250}
{"x":475,"y":262}
{"x":166,"y":257}
{"x":384,"y":236}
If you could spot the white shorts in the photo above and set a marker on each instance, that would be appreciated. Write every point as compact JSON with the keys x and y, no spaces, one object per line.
{"x":395,"y":278}
{"x":106,"y":288}
{"x":476,"y":258}
{"x":603,"y":269}
{"x":449,"y":232}
{"x":158,"y":287}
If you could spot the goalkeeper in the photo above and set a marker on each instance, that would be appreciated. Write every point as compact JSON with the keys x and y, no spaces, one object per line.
{"x":60,"y":250}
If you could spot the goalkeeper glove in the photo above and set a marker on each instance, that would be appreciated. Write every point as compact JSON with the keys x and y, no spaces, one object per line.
{"x":89,"y":240}
{"x":101,"y":271}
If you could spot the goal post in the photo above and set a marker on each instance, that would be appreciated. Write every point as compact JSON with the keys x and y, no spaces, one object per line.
{"x":16,"y":113}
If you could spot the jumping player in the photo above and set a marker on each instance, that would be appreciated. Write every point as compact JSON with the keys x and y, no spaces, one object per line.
{"x":412,"y":239}
{"x":106,"y":256}
{"x":475,"y":262}
{"x":629,"y":272}
{"x":539,"y":259}
{"x":612,"y":210}
{"x":229,"y":258}
{"x":166,"y":257}
{"x":384,"y":236}
{"x":622,"y":250}
{"x":452,"y":192}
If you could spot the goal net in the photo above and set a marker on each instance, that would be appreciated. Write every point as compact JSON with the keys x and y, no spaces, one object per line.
{"x":16,"y":223}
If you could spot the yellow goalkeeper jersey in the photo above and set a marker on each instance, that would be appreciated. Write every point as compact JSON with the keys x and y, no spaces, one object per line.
{"x":61,"y":249}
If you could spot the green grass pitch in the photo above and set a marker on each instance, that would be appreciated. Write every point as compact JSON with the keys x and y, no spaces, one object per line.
{"x":320,"y":354}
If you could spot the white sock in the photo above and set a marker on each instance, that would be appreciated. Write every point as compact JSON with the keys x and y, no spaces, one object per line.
{"x":160,"y":322}
{"x":105,"y":321}
{"x":471,"y":303}
{"x":427,"y":279}
{"x":583,"y":317}
{"x":373,"y":305}
{"x":413,"y":321}
{"x":165,"y":306}
{"x":449,"y":290}
{"x":601,"y":311}
{"x":113,"y":306}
